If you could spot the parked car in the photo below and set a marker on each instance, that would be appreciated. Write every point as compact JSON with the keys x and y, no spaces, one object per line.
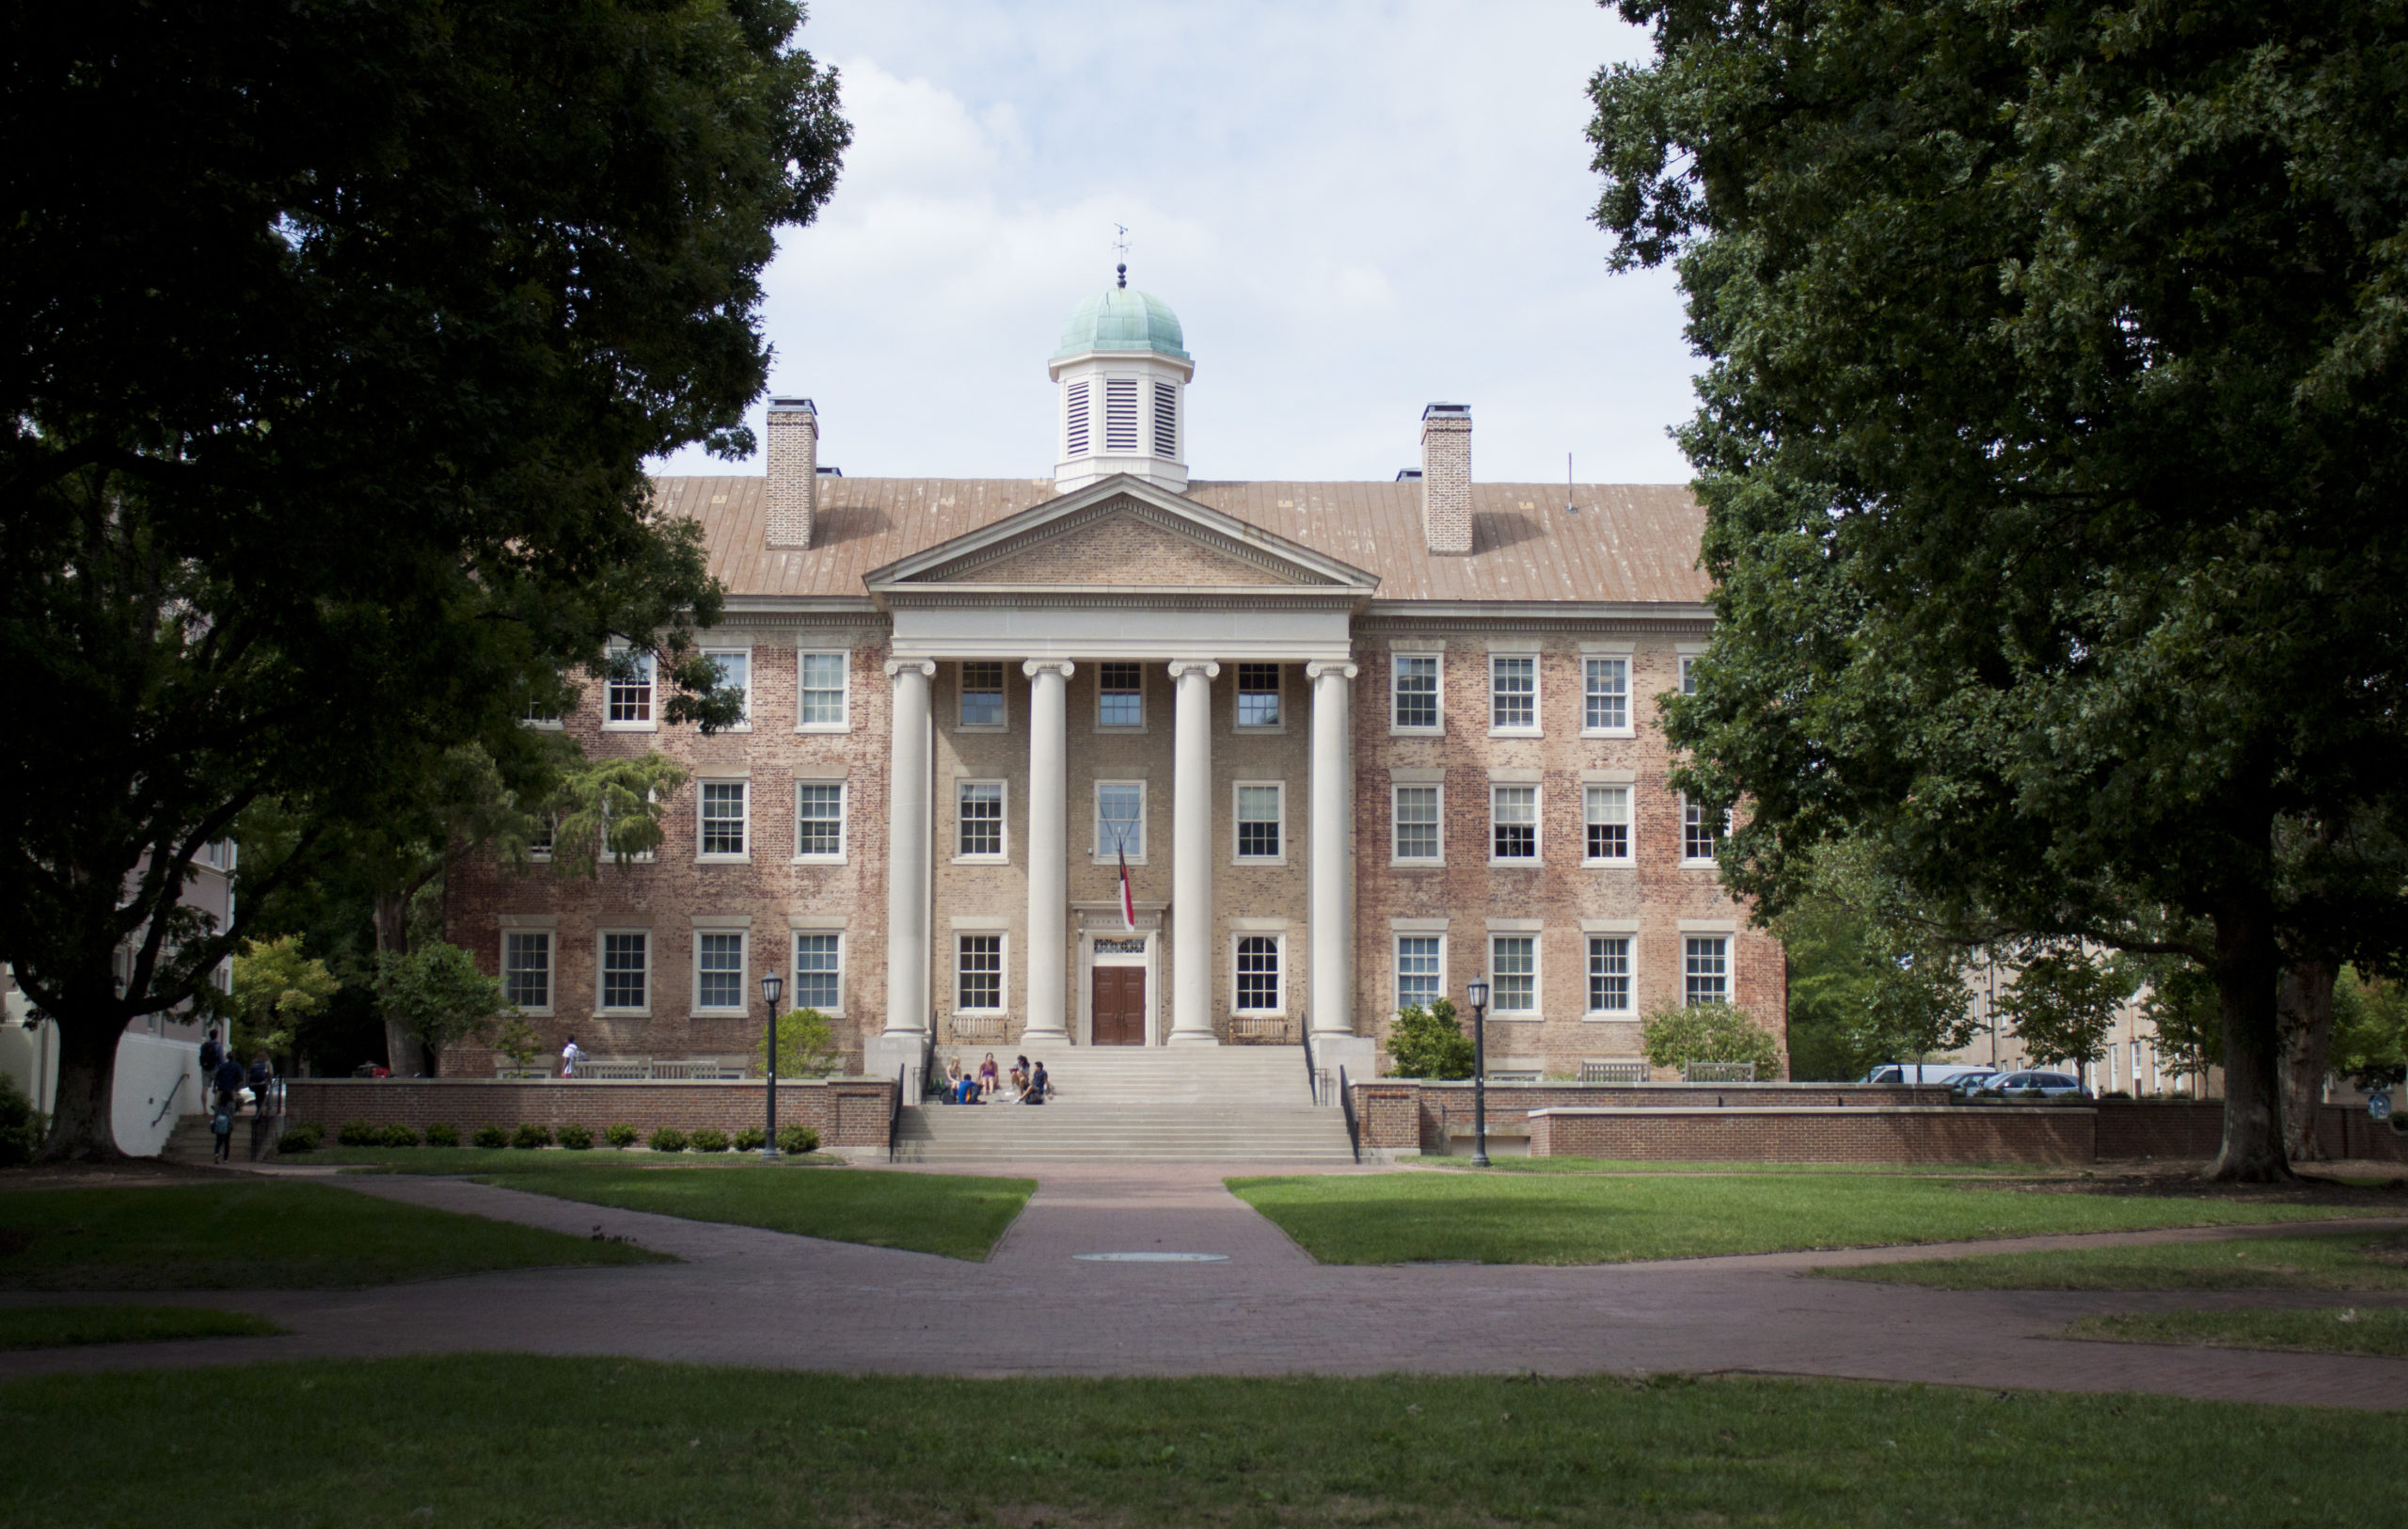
{"x":1967,"y":1083}
{"x":1930,"y":1071}
{"x":2032,"y":1086}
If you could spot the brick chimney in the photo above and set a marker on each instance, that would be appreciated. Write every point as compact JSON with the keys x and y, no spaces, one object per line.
{"x":1446,"y":477}
{"x":794,"y":470}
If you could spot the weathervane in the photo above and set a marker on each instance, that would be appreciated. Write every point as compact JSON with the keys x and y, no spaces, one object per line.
{"x":1120,"y":244}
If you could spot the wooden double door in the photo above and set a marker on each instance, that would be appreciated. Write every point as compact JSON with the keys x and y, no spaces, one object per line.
{"x":1118,"y":996}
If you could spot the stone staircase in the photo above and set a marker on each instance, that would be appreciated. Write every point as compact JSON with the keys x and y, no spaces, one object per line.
{"x":1139,"y":1104}
{"x":191,"y":1141}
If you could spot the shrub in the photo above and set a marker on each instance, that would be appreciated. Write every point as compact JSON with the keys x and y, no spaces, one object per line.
{"x":491,"y":1135}
{"x":531,"y":1135}
{"x":620,"y":1137}
{"x":22,"y":1126}
{"x":806,"y":1046}
{"x":356,"y":1134}
{"x":797,"y":1139}
{"x":752,"y":1138}
{"x":1428,"y":1042}
{"x":668,"y":1138}
{"x":301,"y":1136}
{"x":707,"y":1140}
{"x":396,"y":1136}
{"x":440,"y":1135}
{"x":1675,"y":1036}
{"x":576,"y":1137}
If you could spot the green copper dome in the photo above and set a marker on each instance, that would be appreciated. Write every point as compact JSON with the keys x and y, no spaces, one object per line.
{"x":1120,"y":319}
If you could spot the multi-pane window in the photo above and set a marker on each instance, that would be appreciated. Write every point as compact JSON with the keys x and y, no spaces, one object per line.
{"x":1606,"y":695}
{"x":1513,"y":973}
{"x":820,"y":972}
{"x":1701,"y":831}
{"x":982,"y":695}
{"x":1416,"y":690}
{"x":539,"y":837}
{"x":733,"y":670}
{"x":822,"y":678}
{"x":1706,"y":971}
{"x":1688,"y":677}
{"x":1417,"y":823}
{"x":626,"y":969}
{"x":1259,"y":822}
{"x":1608,"y":974}
{"x":719,"y":970}
{"x":1120,"y":819}
{"x":1513,"y":692}
{"x":820,"y":818}
{"x":627,"y":697}
{"x":1257,"y":973}
{"x":527,"y":968}
{"x":979,"y":818}
{"x":1120,"y":695}
{"x":1607,"y":811}
{"x":1257,"y":695}
{"x":978,"y":972}
{"x":1419,"y":980}
{"x":723,"y":817}
{"x":1513,"y":822}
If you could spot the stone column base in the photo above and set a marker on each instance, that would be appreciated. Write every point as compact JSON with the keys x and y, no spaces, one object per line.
{"x":1358,"y":1054}
{"x":1193,"y":1038}
{"x":883,"y":1055}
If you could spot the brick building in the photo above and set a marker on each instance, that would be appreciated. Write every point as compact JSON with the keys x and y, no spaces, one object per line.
{"x":1355,"y":742}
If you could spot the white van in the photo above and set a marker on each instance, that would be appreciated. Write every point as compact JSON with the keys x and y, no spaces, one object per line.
{"x":1934,"y":1072}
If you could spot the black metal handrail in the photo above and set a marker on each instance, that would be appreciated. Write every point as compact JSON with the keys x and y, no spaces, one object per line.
{"x":169,"y":1102}
{"x":1304,"y":1039}
{"x":894,"y":1112}
{"x":1346,"y":1102}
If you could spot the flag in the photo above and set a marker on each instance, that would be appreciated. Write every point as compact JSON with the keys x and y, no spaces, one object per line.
{"x":1128,"y":904}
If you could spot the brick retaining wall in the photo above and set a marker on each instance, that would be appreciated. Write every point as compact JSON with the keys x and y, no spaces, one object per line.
{"x":847,"y":1113}
{"x":2184,"y":1128}
{"x":1440,"y":1110}
{"x":1818,"y":1133}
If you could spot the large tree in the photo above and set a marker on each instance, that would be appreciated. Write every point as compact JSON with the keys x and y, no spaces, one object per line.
{"x":2053,"y":443}
{"x":333,"y":337}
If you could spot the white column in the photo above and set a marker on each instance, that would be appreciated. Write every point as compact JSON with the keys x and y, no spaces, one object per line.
{"x":1333,"y":851}
{"x":907,"y":861}
{"x":1049,"y":849}
{"x":1191,"y":848}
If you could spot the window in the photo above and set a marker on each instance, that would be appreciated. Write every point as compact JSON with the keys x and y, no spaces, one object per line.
{"x":719,"y":970}
{"x":1607,"y":810}
{"x":1701,"y":831}
{"x":1074,"y":432}
{"x":1120,"y":414}
{"x":1258,"y":836}
{"x":540,"y":715}
{"x":1513,"y":822}
{"x":979,"y":819}
{"x":527,"y":968}
{"x":539,"y":837}
{"x":1605,"y":696}
{"x":1165,"y":420}
{"x":1608,"y":974}
{"x":1513,"y":693}
{"x":1258,"y":972}
{"x":628,"y":694}
{"x":978,"y":973}
{"x":982,"y":695}
{"x":1513,"y":973}
{"x":1120,"y":695}
{"x":1706,"y":968}
{"x":1416,"y":692}
{"x":1119,"y":819}
{"x":1257,"y":695}
{"x":1688,"y":674}
{"x":819,"y":820}
{"x":1420,"y":977}
{"x":734,"y":666}
{"x":820,"y":972}
{"x":821,"y":707}
{"x":627,"y":971}
{"x":723,"y":818}
{"x":1417,"y":823}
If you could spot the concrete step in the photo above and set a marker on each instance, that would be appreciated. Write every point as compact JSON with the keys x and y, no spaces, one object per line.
{"x":1220,"y":1131}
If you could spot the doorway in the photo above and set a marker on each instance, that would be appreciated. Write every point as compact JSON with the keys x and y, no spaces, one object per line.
{"x":1118,"y":994}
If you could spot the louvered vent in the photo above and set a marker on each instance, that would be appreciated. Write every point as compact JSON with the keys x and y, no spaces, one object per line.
{"x":1076,"y":435}
{"x":1165,"y":420}
{"x":1120,"y":414}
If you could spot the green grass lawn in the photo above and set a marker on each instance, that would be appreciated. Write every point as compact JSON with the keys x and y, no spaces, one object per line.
{"x":260,"y":1233}
{"x":64,"y":1326}
{"x":474,"y":1160}
{"x":1533,"y":1218}
{"x":1637,"y":1165}
{"x":2367,"y":1329}
{"x":522,"y":1440}
{"x":2323,"y":1261}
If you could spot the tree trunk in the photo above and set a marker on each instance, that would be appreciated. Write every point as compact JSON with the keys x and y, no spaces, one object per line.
{"x":392,"y":913}
{"x":81,"y":1125}
{"x":2247,"y":967}
{"x":2304,"y":1000}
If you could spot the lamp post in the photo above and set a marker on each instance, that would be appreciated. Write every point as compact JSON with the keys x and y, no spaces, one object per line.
{"x":1477,"y":991}
{"x":772,"y":989}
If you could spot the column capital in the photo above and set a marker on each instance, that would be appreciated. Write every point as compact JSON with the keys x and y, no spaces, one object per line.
{"x":925,"y":668}
{"x":1206,"y":667}
{"x":1032,"y":667}
{"x":1343,"y":668}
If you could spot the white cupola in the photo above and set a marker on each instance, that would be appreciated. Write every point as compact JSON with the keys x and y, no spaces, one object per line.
{"x":1122,"y":370}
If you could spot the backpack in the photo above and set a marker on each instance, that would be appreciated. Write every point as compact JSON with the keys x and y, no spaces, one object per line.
{"x":221,"y":1124}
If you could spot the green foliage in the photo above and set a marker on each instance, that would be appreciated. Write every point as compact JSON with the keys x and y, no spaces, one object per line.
{"x":488,"y":1137}
{"x":620,"y":1137}
{"x":517,"y":1039}
{"x":442,"y":1134}
{"x":806,"y":1046}
{"x":794,"y":1141}
{"x":1675,"y":1036}
{"x":709,"y":1140}
{"x":2063,"y":1002}
{"x":667,"y":1138}
{"x":529,"y":1136}
{"x":610,"y":808}
{"x":1428,"y":1043}
{"x":21,"y":1124}
{"x":1870,"y":979}
{"x":2370,"y":1029}
{"x":436,"y":993}
{"x":2187,"y":1014}
{"x":356,"y":1134}
{"x":396,"y":1134}
{"x":752,"y":1138}
{"x":576,"y":1137}
{"x":276,"y":988}
{"x":301,"y":1136}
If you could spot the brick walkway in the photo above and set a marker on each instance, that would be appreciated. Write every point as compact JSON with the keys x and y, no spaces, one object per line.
{"x":747,"y":1297}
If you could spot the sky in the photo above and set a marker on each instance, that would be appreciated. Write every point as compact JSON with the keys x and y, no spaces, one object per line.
{"x":1355,"y":208}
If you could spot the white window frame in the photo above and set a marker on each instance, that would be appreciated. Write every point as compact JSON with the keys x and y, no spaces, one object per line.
{"x":543,"y":938}
{"x":1629,"y":939}
{"x":1519,"y":729}
{"x":540,"y":850}
{"x":1237,"y":825}
{"x":542,"y":721}
{"x":1104,"y":853}
{"x":1688,"y":676}
{"x":844,"y":824}
{"x":1437,"y":696}
{"x":1145,"y":695}
{"x":1438,"y":824}
{"x":602,"y":975}
{"x":1587,"y":818}
{"x":1538,"y":823}
{"x":744,"y":965}
{"x":962,"y":697}
{"x":1621,"y":729}
{"x":843,"y":722}
{"x":1279,"y":700}
{"x":1538,"y":959}
{"x":744,"y":723}
{"x":744,"y":822}
{"x":1278,"y":939}
{"x":795,"y":969}
{"x":1002,"y":823}
{"x":1396,"y":964}
{"x":651,"y":722}
{"x":1693,"y":815}
{"x":1003,"y":969}
{"x":1689,"y":977}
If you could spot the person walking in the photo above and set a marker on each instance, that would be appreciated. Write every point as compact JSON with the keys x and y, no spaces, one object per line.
{"x":261,"y":1078}
{"x":221,"y":1127}
{"x":571,"y":1057}
{"x":212,"y":1053}
{"x":229,"y":1079}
